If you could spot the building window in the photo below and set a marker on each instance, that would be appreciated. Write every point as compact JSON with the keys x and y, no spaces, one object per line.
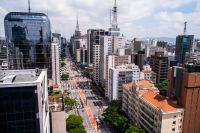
{"x":174,"y":122}
{"x":173,"y":129}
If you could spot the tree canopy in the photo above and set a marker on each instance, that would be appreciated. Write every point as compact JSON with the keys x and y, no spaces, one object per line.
{"x":162,"y":86}
{"x":63,"y":64}
{"x":114,"y":116}
{"x":73,"y":122}
{"x":69,"y":101}
{"x":62,"y":59}
{"x":65,"y":76}
{"x":77,"y":130}
{"x":132,"y":129}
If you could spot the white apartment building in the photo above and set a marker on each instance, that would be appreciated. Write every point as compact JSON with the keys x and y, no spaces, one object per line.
{"x":113,"y":61}
{"x":120,"y":75}
{"x":96,"y":63}
{"x":149,"y":110}
{"x":83,"y":41}
{"x":55,"y":62}
{"x":147,"y":73}
{"x":109,"y":45}
{"x":24,"y":100}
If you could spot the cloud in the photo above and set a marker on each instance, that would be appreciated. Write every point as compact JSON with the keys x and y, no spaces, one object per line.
{"x":137,"y":18}
{"x":172,"y":4}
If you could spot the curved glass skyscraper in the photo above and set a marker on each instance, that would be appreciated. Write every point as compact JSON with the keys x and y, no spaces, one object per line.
{"x":29,"y":39}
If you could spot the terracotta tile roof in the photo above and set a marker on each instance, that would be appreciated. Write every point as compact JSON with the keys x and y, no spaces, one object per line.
{"x":159,"y":102}
{"x":141,"y":83}
{"x":144,"y":83}
{"x":128,"y":85}
{"x":142,"y":92}
{"x":55,"y":85}
{"x":147,"y":71}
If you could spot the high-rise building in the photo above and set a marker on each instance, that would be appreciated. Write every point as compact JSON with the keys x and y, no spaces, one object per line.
{"x":93,"y":47}
{"x":149,"y":110}
{"x":113,"y":61}
{"x":96,"y":63}
{"x":120,"y":75}
{"x":77,"y":37}
{"x":59,"y":41}
{"x":3,"y":54}
{"x":139,"y":59}
{"x":184,"y":87}
{"x":110,"y":45}
{"x":55,"y":61}
{"x":78,"y":55}
{"x":184,"y":44}
{"x":84,"y":54}
{"x":175,"y":73}
{"x":24,"y":101}
{"x":159,"y":64}
{"x":138,"y":46}
{"x":30,"y":37}
{"x":93,"y":38}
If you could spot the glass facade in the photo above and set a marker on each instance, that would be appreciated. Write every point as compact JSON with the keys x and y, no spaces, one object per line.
{"x":184,"y":44}
{"x":18,"y":109}
{"x":29,"y":35}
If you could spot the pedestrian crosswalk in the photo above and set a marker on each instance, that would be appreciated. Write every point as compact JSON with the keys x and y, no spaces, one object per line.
{"x":90,"y":130}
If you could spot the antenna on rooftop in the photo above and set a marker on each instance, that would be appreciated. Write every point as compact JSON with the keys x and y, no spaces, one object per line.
{"x":185,"y":28}
{"x":110,"y":16}
{"x":29,"y":6}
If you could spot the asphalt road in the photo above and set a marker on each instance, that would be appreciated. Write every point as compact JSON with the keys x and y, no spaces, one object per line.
{"x":89,"y":105}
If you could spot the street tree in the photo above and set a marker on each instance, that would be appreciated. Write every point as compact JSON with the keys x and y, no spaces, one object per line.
{"x":114,"y":116}
{"x":77,"y":130}
{"x":162,"y":86}
{"x":69,"y":101}
{"x":65,"y":76}
{"x":132,"y":129}
{"x":63,"y":64}
{"x":74,"y":121}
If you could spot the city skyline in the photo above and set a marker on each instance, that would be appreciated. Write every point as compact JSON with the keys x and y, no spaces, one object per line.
{"x":138,"y":18}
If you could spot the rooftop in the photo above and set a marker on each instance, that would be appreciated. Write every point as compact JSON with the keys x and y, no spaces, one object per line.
{"x":128,"y":85}
{"x":159,"y":101}
{"x":18,"y":76}
{"x":141,"y":83}
{"x":148,"y":71}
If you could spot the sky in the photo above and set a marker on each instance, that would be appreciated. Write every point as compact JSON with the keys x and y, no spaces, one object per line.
{"x":136,"y":18}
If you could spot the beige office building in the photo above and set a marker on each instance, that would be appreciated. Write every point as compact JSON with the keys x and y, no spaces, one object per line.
{"x":149,"y":110}
{"x":78,"y":55}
